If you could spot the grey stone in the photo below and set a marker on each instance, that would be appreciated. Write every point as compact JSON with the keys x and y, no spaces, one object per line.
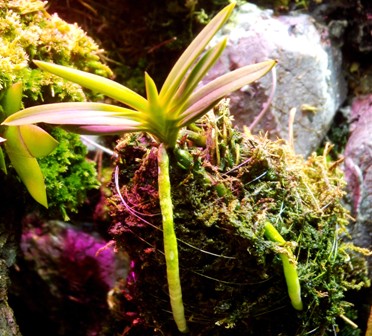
{"x":11,"y":210}
{"x":308,"y":74}
{"x":358,"y":169}
{"x":8,"y":325}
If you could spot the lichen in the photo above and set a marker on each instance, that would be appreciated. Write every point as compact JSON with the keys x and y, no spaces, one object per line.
{"x":232,"y":277}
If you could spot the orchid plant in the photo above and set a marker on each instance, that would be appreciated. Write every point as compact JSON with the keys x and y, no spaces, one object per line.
{"x":23,"y":145}
{"x":162,"y":114}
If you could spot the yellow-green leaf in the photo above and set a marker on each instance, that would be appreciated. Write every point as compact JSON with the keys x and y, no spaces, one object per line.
{"x":96,"y":83}
{"x":29,"y":171}
{"x":151,"y":91}
{"x":25,"y":165}
{"x":204,"y":98}
{"x":12,"y":99}
{"x":192,"y":79}
{"x":192,"y":52}
{"x":38,"y":142}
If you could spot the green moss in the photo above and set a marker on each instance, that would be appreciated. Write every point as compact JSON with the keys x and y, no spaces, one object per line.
{"x":28,"y":32}
{"x":232,"y":276}
{"x":68,"y":174}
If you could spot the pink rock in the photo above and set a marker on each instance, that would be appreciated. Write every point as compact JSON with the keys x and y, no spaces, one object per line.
{"x":59,"y":248}
{"x":358,"y":169}
{"x":309,"y":77}
{"x":72,"y":272}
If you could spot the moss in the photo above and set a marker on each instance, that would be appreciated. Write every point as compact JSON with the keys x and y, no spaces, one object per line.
{"x":68,"y":174}
{"x":28,"y":32}
{"x":140,"y":35}
{"x":232,"y":276}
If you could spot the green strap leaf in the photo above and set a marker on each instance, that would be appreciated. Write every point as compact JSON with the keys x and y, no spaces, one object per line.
{"x":25,"y":165}
{"x":97,"y":83}
{"x":38,"y":142}
{"x":191,"y":80}
{"x":75,"y":114}
{"x":192,"y":52}
{"x":151,"y":91}
{"x":170,"y":240}
{"x":289,"y":267}
{"x":207,"y":96}
{"x":12,"y":100}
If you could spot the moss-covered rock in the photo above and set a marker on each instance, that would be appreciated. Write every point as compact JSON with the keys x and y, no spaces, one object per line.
{"x":232,"y":276}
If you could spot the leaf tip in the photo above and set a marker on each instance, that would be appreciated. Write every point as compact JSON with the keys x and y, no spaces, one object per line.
{"x":230,"y":7}
{"x":38,"y":63}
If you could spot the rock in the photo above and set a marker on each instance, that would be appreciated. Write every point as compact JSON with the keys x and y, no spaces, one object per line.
{"x":63,"y":279}
{"x":358,"y":169}
{"x":11,"y":209}
{"x":308,"y":74}
{"x":8,"y":325}
{"x":74,"y":253}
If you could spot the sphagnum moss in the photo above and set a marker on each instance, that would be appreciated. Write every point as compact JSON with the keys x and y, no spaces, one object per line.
{"x":231,"y":274}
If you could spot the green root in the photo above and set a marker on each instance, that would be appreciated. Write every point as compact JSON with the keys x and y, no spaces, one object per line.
{"x":289,"y":267}
{"x":170,"y":240}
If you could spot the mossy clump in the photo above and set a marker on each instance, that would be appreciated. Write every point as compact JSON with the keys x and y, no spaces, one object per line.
{"x":27,"y":32}
{"x":68,"y":174}
{"x":232,"y":276}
